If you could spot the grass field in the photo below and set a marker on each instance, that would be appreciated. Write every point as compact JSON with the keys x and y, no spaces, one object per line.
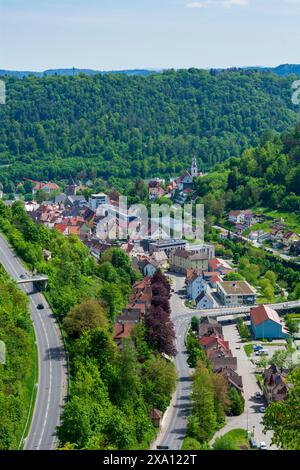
{"x":248,"y":349}
{"x":237,"y":437}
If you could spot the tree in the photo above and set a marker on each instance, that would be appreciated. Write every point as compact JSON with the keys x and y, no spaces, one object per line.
{"x":88,"y":315}
{"x":195,"y":322}
{"x":160,"y":330}
{"x":158,"y":381}
{"x":224,"y":443}
{"x":283,"y":417}
{"x":203,"y":423}
{"x":237,"y":402}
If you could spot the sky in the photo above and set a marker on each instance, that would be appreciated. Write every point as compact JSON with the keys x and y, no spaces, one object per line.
{"x":127,"y":34}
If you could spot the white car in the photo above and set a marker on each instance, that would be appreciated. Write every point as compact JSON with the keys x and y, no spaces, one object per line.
{"x":258,"y":395}
{"x":262,"y":409}
{"x":263,"y":445}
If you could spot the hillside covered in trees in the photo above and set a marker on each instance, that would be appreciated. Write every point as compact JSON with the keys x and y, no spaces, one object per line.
{"x":136,"y":126}
{"x":265,"y":176}
{"x":112,"y":391}
{"x":17,"y":368}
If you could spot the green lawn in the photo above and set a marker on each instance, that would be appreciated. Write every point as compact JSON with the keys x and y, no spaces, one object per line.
{"x":237,"y":437}
{"x":248,"y":349}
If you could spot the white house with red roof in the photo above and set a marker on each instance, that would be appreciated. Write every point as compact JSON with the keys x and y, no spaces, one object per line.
{"x":266,"y":323}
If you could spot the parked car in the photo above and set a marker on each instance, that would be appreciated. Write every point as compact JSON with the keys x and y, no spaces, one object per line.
{"x":261,"y":352}
{"x":22,"y":276}
{"x":258,"y":395}
{"x":263,"y":446}
{"x":40,"y":307}
{"x":253,"y":443}
{"x":262,"y":409}
{"x":257,"y":347}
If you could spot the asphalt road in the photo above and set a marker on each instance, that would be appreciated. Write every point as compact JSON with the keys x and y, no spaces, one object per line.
{"x":52,"y":368}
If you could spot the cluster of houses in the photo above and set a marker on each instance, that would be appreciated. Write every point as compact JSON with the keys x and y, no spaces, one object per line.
{"x":207,"y":288}
{"x":218,"y":352}
{"x":279,"y":235}
{"x":178,"y":189}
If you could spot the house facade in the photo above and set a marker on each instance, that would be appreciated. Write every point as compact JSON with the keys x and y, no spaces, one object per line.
{"x":266,"y":323}
{"x":235,"y":293}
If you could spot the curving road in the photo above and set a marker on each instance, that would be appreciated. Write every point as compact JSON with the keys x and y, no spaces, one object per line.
{"x":52,"y":360}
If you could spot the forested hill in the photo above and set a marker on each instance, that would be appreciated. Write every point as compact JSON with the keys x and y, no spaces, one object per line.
{"x":126,"y":126}
{"x":265,"y":176}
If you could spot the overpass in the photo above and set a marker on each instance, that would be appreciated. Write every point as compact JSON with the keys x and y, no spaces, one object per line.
{"x":40,"y":280}
{"x":245,"y":309}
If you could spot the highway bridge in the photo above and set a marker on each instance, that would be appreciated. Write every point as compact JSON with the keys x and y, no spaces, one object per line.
{"x":39,"y":280}
{"x":245,"y":309}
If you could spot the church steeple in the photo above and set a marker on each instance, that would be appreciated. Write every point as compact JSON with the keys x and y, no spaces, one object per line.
{"x":194,"y":168}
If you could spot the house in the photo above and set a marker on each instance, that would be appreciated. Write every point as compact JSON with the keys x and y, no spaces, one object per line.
{"x":47,"y":255}
{"x":154,"y":189}
{"x":265,"y":323}
{"x":47,"y":187}
{"x":216,"y":343}
{"x":121,"y":331}
{"x":241,"y":217}
{"x":236,"y":217}
{"x":289,"y":238}
{"x":231,"y":377}
{"x":161,"y":259}
{"x":195,"y":283}
{"x":224,"y":362}
{"x":235,"y":293}
{"x":205,"y":300}
{"x":209,"y":326}
{"x":147,"y":267}
{"x":182,"y":260}
{"x":275,"y":384}
{"x":96,"y":200}
{"x":220,"y":266}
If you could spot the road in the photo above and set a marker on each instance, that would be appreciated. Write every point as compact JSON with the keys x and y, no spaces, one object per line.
{"x":181,"y":316}
{"x":52,"y":361}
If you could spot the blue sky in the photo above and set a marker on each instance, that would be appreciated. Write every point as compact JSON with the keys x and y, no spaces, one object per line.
{"x":119,"y":34}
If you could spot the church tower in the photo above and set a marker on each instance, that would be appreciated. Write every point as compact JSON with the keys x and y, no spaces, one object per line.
{"x":194,"y":168}
{"x":71,"y":187}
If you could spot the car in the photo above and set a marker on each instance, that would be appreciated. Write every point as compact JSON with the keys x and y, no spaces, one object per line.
{"x":22,"y":276}
{"x":40,"y":307}
{"x":238,"y":347}
{"x":258,"y":395}
{"x":261,"y":352}
{"x":263,"y":446}
{"x":257,"y":347}
{"x":253,"y":443}
{"x":262,"y":409}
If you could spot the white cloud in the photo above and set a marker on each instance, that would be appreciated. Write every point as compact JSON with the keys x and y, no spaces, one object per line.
{"x":222,"y":3}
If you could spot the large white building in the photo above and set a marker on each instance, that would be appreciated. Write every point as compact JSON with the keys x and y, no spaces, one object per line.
{"x":96,"y":200}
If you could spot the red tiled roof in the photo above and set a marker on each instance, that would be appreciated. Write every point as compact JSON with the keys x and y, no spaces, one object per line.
{"x":262,"y":313}
{"x":61,"y":227}
{"x":122,"y":330}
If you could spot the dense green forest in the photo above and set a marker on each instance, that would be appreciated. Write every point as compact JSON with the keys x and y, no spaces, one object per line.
{"x":265,"y":176}
{"x":111,"y":391}
{"x":17,"y":374}
{"x":136,"y":126}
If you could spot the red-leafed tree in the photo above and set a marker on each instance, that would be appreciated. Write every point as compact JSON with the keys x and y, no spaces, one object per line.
{"x":160,"y":330}
{"x":160,"y":279}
